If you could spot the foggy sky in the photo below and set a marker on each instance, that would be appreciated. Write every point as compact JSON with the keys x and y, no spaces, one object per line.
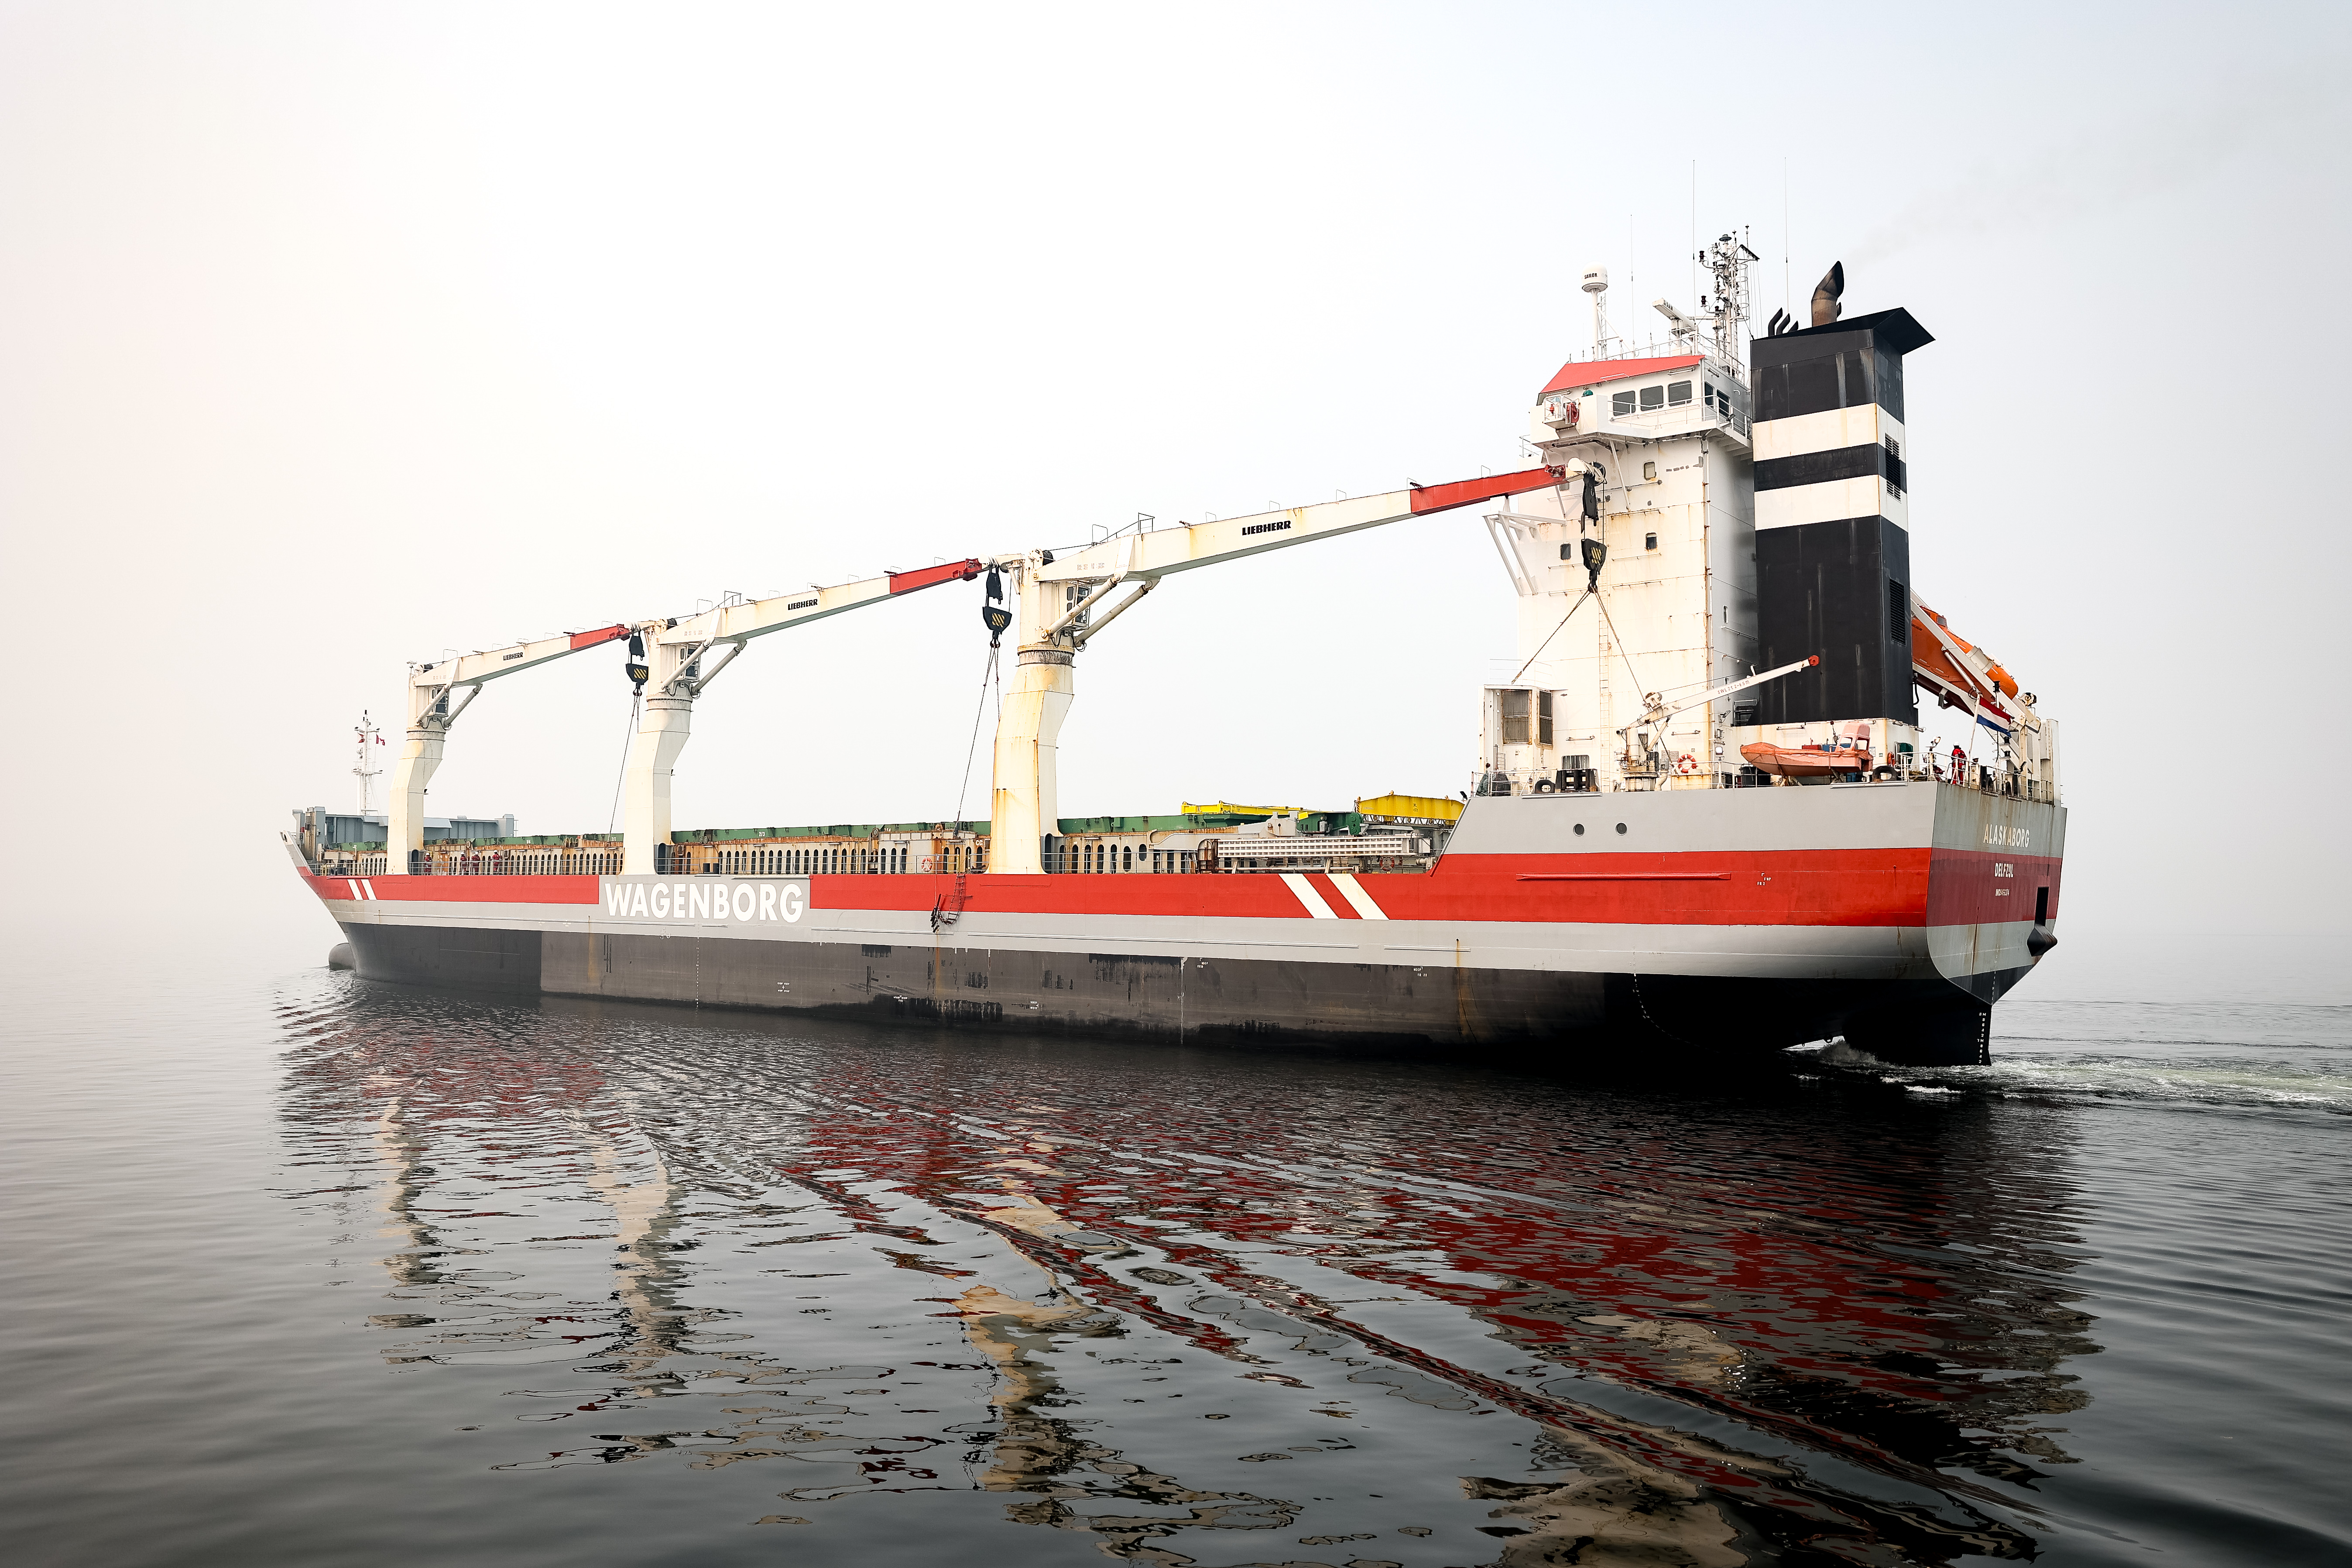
{"x":337,"y":336}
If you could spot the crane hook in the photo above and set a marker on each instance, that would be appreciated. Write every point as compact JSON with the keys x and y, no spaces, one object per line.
{"x":993,"y":613}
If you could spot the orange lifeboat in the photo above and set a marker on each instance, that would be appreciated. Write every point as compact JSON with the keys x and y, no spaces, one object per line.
{"x":1929,"y":655}
{"x":1803,"y":762}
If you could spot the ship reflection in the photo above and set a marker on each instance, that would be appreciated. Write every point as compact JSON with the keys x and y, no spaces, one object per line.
{"x":1729,"y":1327}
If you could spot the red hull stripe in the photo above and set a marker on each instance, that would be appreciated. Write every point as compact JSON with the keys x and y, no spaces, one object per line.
{"x":1791,"y":888}
{"x":1976,"y":887}
{"x":465,"y":889}
{"x":1462,"y":492}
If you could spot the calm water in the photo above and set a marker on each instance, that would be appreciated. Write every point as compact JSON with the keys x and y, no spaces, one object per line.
{"x":309,"y":1270}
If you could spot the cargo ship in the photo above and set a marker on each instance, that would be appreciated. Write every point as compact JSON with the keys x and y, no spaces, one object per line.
{"x":1706,"y":817}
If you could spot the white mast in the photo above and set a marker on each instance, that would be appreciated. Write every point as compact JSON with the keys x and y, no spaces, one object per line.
{"x":1596,"y":283}
{"x":368,"y":735}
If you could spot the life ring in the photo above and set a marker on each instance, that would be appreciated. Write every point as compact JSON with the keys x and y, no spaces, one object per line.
{"x":1684,"y":764}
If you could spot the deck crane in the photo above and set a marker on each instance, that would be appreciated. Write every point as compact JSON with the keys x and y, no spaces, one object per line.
{"x":681,"y":665}
{"x":431,"y":711}
{"x":1056,"y":597}
{"x":1656,"y":710}
{"x":675,"y":647}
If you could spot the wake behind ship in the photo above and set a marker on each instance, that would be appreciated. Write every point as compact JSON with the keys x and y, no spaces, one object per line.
{"x":1706,"y":816}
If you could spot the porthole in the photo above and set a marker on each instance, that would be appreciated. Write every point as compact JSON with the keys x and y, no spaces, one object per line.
{"x":1621,"y":828}
{"x":1579,"y":827}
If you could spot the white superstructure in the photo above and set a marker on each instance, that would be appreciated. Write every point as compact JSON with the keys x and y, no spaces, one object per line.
{"x":1655,"y":446}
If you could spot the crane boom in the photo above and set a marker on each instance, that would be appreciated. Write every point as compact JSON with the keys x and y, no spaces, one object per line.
{"x":430,"y":714}
{"x":740,"y":622}
{"x":473,"y":669}
{"x":1057,"y":596}
{"x":1658,"y":713}
{"x":679,"y":675}
{"x":1186,"y":546}
{"x":676,"y":651}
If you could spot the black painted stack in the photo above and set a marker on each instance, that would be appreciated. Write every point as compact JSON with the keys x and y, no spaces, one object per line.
{"x":1839,"y":587}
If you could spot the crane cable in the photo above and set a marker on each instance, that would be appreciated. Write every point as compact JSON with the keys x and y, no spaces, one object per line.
{"x":1628,"y":656}
{"x":1622,"y":649}
{"x":1555,"y":631}
{"x":613,"y":820}
{"x":988,"y":677}
{"x":941,"y":915}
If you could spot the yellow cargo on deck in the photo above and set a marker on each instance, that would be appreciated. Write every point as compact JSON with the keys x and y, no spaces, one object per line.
{"x":1433,"y":807}
{"x":1225,"y":805}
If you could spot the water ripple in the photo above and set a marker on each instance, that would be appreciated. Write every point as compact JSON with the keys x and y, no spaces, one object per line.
{"x":1148,"y":1296}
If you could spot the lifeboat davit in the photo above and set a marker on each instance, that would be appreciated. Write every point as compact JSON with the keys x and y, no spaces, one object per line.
{"x":1803,"y":762}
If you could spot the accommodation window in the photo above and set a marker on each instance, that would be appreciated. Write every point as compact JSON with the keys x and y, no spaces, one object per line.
{"x":1677,"y":394}
{"x":1649,"y":542}
{"x":1710,"y":393}
{"x":1652,"y":399}
{"x":1621,"y":404}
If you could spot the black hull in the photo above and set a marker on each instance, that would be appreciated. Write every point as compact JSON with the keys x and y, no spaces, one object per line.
{"x":1527,"y":1016}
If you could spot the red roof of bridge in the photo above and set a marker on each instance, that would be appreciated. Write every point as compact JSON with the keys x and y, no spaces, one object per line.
{"x":1593,"y":372}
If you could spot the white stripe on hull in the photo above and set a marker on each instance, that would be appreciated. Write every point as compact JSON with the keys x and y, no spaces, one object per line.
{"x":1357,"y":899}
{"x":1307,"y":895}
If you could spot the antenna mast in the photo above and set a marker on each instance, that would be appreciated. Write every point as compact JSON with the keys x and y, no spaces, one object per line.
{"x":1727,"y":260}
{"x":368,"y":735}
{"x":1596,"y":283}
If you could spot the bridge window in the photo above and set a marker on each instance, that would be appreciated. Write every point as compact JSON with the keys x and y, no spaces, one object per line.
{"x":1677,"y":394}
{"x":1653,"y":398}
{"x":1621,"y":404}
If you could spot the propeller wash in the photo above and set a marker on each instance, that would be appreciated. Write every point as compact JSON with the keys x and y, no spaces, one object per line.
{"x":1706,"y":815}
